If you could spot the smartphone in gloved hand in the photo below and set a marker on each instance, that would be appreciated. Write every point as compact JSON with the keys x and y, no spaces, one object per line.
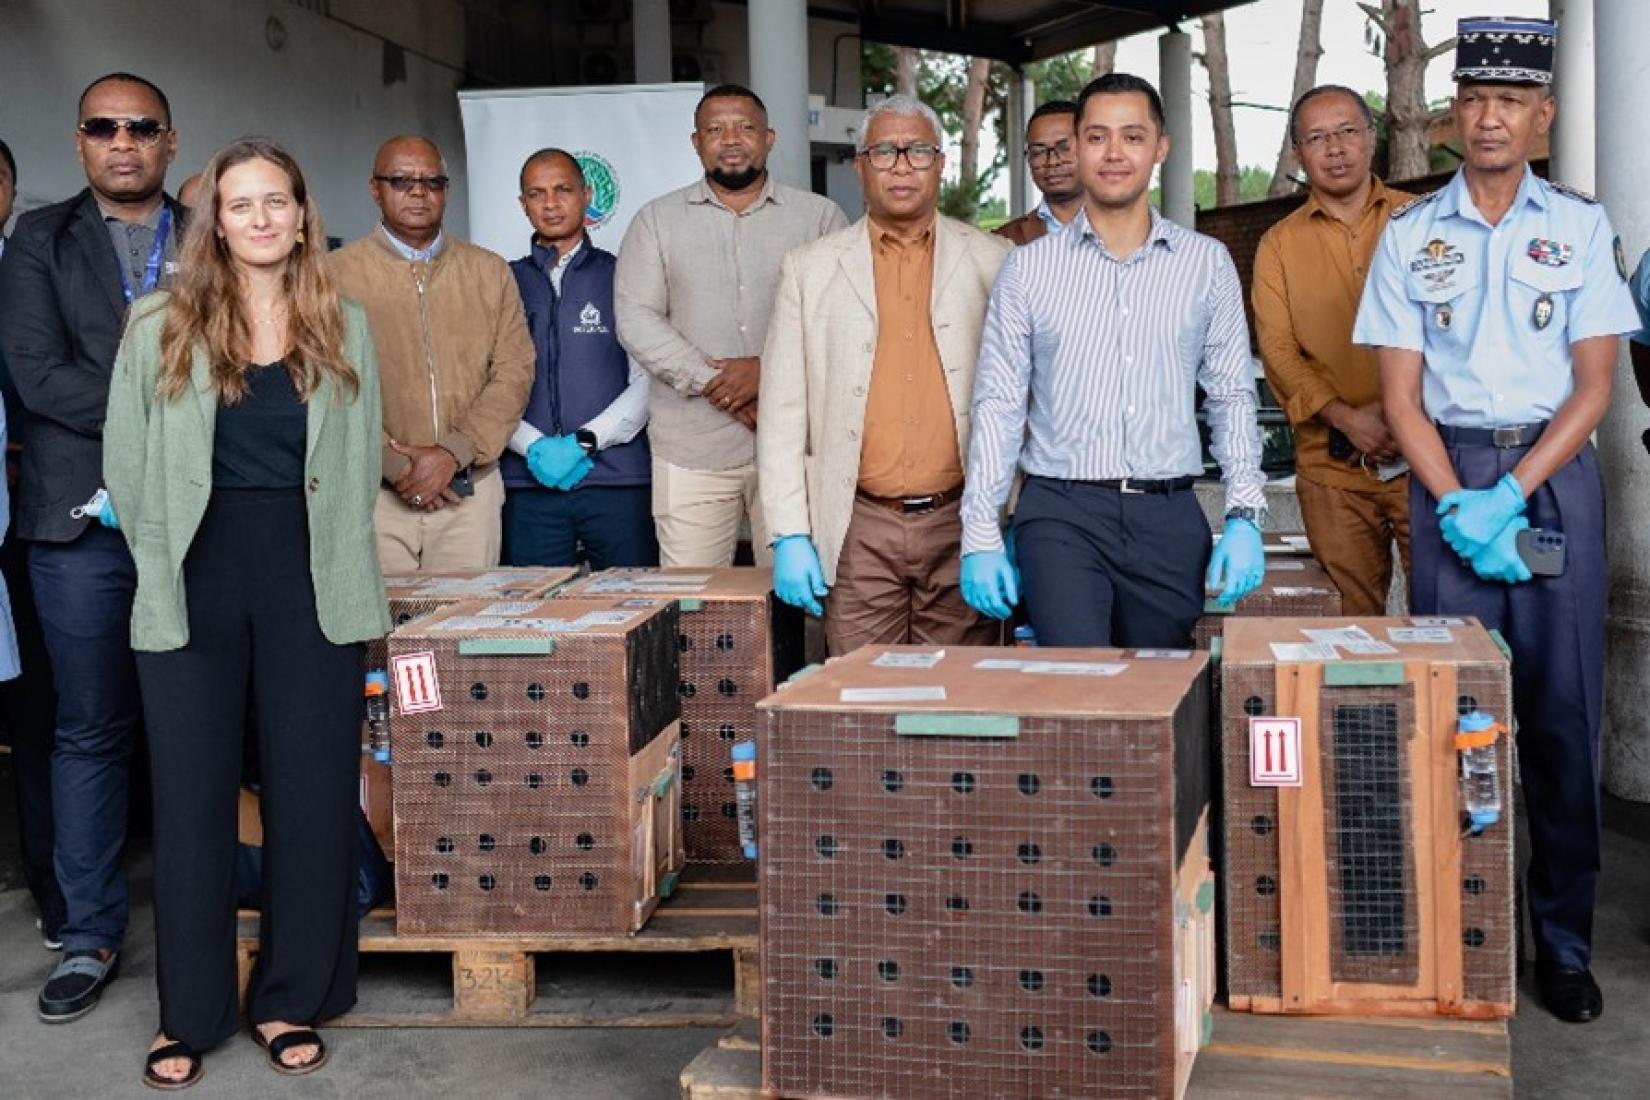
{"x":1542,"y":551}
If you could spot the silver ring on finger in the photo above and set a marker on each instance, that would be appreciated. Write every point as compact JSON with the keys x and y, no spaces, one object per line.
{"x":418,"y":499}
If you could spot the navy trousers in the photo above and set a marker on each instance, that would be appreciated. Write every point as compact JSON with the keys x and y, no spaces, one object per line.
{"x":1100,"y":567}
{"x":1555,"y":627}
{"x":83,"y":590}
{"x":612,"y":523}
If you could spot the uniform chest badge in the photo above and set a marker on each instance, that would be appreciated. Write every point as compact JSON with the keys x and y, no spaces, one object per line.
{"x":1542,"y":315}
{"x":1437,"y":262}
{"x":1443,"y":316}
{"x":1550,"y":253}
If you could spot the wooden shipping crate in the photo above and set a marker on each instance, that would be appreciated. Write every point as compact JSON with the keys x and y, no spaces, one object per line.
{"x":538,"y":767}
{"x":1295,"y":585}
{"x":984,"y":874}
{"x":1359,"y":890}
{"x":413,"y":594}
{"x":737,"y":642}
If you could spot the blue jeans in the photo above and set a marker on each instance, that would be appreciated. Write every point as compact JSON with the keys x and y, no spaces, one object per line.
{"x":84,"y":593}
{"x":613,"y":524}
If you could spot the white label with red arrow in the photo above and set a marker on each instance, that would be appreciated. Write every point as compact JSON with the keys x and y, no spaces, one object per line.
{"x":416,"y":688}
{"x":1274,"y":752}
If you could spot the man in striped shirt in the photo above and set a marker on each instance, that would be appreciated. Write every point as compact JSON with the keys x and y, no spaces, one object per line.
{"x":1094,"y":345}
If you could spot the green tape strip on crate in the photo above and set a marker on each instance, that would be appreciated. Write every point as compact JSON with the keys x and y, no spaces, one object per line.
{"x":1205,"y":897}
{"x":1215,"y":647}
{"x":506,"y":647}
{"x":666,"y":780}
{"x":690,"y":603}
{"x":802,"y":673}
{"x":1213,"y":606}
{"x":667,"y":884}
{"x":956,"y":725}
{"x":1208,"y":1031}
{"x":1362,"y":673}
{"x":1501,"y":644}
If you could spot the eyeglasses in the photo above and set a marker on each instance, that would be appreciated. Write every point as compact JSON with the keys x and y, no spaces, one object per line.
{"x":1317,"y":139}
{"x":919,"y":155}
{"x":1040,"y":154}
{"x":144,"y":131}
{"x":401,"y":185}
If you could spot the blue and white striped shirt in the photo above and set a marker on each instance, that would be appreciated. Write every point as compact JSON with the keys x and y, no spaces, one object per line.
{"x":1089,"y":366}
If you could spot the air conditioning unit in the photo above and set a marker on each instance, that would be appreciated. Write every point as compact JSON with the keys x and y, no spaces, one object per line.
{"x":606,"y":65}
{"x":704,"y":66}
{"x":603,"y":11}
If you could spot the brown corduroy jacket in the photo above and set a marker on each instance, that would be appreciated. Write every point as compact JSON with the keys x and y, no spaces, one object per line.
{"x":453,"y":349}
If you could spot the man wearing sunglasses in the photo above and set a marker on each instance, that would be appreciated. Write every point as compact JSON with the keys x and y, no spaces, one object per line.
{"x":1051,"y":153}
{"x":68,"y":275}
{"x":456,"y":365}
{"x":864,"y":420}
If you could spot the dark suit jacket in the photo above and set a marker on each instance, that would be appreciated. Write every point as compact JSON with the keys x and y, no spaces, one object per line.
{"x":1024,"y":229}
{"x":61,"y":316}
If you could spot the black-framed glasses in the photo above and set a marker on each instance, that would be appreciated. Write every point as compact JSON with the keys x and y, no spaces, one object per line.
{"x":1059,"y":152}
{"x":144,"y":131}
{"x":920,"y":155}
{"x":1318,"y":139}
{"x":401,"y":185}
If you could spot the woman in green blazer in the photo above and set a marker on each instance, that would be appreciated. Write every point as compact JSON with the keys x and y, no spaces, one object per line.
{"x":241,"y":456}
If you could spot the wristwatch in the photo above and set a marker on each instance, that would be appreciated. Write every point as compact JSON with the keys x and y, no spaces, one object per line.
{"x":1253,"y":515}
{"x":586,"y":439}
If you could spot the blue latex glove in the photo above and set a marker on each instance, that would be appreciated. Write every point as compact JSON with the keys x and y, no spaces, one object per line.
{"x":990,"y":583}
{"x":1499,"y":561}
{"x":1238,"y":564}
{"x":798,"y":578}
{"x":552,"y":458}
{"x":1473,"y":518}
{"x":107,"y":517}
{"x":576,"y":475}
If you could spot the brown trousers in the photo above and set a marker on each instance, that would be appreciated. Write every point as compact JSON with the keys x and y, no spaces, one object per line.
{"x":1351,"y":532}
{"x":898,"y":581}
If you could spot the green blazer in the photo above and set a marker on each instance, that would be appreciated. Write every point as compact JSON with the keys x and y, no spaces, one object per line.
{"x":157,"y":466}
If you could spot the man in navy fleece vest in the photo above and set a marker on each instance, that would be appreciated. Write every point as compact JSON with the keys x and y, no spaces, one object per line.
{"x":577,"y":469}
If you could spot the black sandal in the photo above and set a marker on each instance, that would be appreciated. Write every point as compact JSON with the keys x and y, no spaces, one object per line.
{"x":174,"y":1049}
{"x":284,"y":1042}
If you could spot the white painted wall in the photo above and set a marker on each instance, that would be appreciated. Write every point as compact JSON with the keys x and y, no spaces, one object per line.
{"x":321,"y":95}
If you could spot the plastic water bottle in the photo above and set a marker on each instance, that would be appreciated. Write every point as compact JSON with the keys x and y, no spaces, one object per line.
{"x":378,"y":715}
{"x":1475,"y":739}
{"x":1024,"y":635}
{"x":744,"y":780}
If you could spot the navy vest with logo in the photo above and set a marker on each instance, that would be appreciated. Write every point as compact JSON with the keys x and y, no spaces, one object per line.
{"x":582,"y":368}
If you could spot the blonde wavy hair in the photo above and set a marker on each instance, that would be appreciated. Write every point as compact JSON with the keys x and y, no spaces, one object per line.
{"x":205,"y":309}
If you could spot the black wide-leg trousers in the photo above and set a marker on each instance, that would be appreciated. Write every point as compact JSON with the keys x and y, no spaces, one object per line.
{"x":253,"y":631}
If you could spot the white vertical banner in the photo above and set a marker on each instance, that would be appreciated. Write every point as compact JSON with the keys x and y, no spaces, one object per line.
{"x":631,"y":140}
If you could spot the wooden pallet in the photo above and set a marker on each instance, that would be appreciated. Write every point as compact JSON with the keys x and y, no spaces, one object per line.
{"x":494,"y":980}
{"x":1254,"y":1058}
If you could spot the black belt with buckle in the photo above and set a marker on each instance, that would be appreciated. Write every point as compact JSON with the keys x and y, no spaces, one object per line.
{"x":1134,"y":485}
{"x":912,"y":505}
{"x":1506,"y":439}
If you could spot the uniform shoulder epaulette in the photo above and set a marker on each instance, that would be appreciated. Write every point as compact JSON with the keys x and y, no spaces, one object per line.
{"x":1420,"y":200}
{"x":1579,"y":196}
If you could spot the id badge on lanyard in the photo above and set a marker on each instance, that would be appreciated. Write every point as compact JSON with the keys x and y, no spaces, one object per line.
{"x":151,"y":267}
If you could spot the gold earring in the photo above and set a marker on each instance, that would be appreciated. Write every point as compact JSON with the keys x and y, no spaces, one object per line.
{"x":300,"y":236}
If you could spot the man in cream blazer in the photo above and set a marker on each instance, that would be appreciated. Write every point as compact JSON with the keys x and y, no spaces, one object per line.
{"x":866,"y":384}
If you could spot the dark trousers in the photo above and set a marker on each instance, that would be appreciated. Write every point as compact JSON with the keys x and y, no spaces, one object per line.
{"x":613,"y":523}
{"x":83,"y":591}
{"x":1100,"y":567}
{"x":29,"y":704}
{"x":253,"y":630}
{"x":1555,"y":626}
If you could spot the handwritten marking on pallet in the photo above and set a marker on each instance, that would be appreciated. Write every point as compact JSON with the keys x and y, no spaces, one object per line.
{"x":416,"y":688}
{"x":1274,"y":752}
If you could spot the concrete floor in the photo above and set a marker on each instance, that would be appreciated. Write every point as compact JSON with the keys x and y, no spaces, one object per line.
{"x":101,"y":1055}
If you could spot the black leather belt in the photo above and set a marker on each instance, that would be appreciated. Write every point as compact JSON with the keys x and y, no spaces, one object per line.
{"x":1133,"y":485}
{"x":1506,"y":439}
{"x":912,"y":505}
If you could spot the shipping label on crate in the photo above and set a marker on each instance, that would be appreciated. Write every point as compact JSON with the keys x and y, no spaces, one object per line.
{"x":1274,"y":752}
{"x":416,"y":688}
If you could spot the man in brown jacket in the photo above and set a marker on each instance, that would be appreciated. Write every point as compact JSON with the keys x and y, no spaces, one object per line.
{"x":1051,"y":152}
{"x":456,"y":363}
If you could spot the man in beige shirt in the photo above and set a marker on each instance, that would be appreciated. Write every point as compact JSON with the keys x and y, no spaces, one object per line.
{"x":693,"y":290}
{"x":869,"y":369}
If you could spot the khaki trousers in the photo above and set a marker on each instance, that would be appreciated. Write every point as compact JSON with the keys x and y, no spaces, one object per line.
{"x":899,"y":581}
{"x":698,"y":513}
{"x":1351,"y":532}
{"x":466,"y":535}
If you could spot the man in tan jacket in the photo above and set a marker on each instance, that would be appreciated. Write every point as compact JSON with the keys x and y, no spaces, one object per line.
{"x":866,"y":383}
{"x":456,"y":363}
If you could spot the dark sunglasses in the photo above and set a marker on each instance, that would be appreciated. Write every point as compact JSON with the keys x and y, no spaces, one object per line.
{"x":144,"y":131}
{"x":403,"y":184}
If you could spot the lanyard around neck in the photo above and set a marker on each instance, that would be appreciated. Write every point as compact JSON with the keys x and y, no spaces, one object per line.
{"x":151,"y":267}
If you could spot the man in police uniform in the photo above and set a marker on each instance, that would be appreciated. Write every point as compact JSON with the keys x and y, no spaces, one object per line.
{"x":1495,"y":306}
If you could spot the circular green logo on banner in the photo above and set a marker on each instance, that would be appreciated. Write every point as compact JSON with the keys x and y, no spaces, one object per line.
{"x":604,"y":188}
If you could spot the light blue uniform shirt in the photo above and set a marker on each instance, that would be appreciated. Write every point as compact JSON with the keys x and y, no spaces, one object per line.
{"x":1494,"y":309}
{"x":1640,"y":287}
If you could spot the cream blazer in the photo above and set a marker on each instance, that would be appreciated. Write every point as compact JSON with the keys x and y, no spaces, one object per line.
{"x":816,"y":369}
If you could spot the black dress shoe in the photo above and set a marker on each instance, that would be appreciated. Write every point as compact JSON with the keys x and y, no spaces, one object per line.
{"x":76,"y":985}
{"x":1571,"y":995}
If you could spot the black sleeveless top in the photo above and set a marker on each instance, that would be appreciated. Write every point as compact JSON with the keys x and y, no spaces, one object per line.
{"x":259,"y":441}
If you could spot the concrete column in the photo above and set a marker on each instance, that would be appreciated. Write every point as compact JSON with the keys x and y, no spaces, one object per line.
{"x":779,"y":74}
{"x":1022,"y":94}
{"x":1574,"y":86}
{"x":1174,"y":62}
{"x":1623,"y":27}
{"x":650,"y":26}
